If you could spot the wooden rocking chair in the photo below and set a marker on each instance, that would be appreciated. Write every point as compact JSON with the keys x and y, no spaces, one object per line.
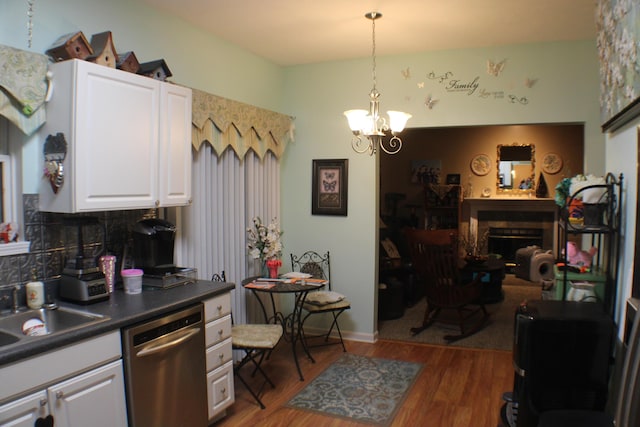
{"x":434,"y":256}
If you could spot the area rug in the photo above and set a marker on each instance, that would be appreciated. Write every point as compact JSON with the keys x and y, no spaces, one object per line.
{"x":359,"y":388}
{"x":496,"y":335}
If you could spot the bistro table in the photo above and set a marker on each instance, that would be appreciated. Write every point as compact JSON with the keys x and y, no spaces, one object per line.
{"x":291,"y":323}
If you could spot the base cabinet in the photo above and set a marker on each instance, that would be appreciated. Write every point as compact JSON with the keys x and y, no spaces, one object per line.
{"x":91,"y":397}
{"x":24,"y":412}
{"x":219,"y":355}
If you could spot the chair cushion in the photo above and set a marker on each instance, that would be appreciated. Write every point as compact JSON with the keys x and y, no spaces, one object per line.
{"x":255,"y":336}
{"x":324,"y":297}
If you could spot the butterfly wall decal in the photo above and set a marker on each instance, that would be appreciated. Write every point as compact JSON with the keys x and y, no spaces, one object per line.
{"x":406,"y":73}
{"x":429,"y":101}
{"x":421,"y":85}
{"x":495,"y":68}
{"x":530,"y":82}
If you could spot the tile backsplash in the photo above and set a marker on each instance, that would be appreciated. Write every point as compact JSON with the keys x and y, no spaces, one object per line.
{"x":50,"y":239}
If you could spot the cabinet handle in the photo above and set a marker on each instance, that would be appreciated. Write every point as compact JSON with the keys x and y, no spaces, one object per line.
{"x":157,"y":203}
{"x":221,"y":356}
{"x":59,"y":394}
{"x":219,"y":308}
{"x":223,"y":391}
{"x":220,"y":332}
{"x":43,"y":402}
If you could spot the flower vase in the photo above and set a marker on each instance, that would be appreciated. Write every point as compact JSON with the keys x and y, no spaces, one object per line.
{"x":273,"y":265}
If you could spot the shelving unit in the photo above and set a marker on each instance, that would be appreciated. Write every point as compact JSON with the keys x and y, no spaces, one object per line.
{"x":442,"y":205}
{"x":601,"y":225}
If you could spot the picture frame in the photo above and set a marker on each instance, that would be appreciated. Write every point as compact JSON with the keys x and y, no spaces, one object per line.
{"x":453,"y":179}
{"x":329,"y":187}
{"x":425,"y":171}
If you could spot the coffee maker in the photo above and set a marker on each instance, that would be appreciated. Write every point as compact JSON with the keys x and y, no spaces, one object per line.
{"x":153,"y":242}
{"x":82,"y":280}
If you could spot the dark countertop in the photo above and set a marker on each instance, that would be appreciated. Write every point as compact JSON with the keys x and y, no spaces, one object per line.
{"x":122,"y":309}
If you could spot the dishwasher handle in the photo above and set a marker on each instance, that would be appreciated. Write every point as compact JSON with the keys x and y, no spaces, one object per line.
{"x":183,"y":336}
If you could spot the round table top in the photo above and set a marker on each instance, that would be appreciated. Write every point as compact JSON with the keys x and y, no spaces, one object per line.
{"x":491,"y":264}
{"x":284,"y":287}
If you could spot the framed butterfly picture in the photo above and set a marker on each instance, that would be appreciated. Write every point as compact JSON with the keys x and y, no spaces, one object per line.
{"x":329,"y":187}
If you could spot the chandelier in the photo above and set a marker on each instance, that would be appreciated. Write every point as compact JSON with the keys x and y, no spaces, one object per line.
{"x":370,"y":123}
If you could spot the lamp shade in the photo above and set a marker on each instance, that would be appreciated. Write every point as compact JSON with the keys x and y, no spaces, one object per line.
{"x":356,"y":119}
{"x":397,"y":120}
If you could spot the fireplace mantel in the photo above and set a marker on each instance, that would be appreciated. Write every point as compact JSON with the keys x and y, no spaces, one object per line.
{"x":509,"y":204}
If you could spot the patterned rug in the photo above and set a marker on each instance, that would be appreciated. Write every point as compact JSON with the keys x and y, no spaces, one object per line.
{"x":359,"y":388}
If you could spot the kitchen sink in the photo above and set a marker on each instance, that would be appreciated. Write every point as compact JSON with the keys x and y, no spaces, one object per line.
{"x":46,"y":321}
{"x":6,"y":338}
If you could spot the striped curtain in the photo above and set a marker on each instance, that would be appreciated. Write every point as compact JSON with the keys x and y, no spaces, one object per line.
{"x":227,"y":193}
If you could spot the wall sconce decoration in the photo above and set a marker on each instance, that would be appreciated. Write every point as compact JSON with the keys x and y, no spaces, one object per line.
{"x":55,"y":151}
{"x":369,"y":123}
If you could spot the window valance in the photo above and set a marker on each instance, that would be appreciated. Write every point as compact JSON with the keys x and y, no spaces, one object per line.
{"x":223,"y":123}
{"x":23,"y":88}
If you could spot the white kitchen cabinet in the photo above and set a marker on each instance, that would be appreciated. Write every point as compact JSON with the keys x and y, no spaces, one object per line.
{"x":128,"y":140}
{"x":220,"y":389}
{"x":69,"y":386}
{"x":94,"y":399}
{"x":25,"y":411}
{"x":174,"y":177}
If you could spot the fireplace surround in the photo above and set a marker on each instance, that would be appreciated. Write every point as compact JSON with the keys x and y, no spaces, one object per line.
{"x":512,"y":223}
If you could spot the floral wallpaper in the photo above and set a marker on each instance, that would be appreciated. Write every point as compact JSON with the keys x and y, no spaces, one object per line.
{"x":618,"y":35}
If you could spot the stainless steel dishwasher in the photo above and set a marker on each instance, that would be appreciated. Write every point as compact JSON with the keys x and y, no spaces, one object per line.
{"x":165,"y":371}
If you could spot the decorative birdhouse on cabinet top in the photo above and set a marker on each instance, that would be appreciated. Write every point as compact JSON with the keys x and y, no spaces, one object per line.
{"x":70,"y":46}
{"x":128,"y":62}
{"x":157,"y":69}
{"x":104,"y":50}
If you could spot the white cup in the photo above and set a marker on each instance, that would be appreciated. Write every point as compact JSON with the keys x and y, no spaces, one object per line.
{"x":132,"y":279}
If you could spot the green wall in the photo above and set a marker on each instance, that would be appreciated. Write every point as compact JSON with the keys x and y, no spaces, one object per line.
{"x":566,"y":90}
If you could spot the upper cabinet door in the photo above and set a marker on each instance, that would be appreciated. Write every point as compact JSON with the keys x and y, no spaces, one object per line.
{"x":128,"y":140}
{"x":175,"y":146}
{"x":116,"y":143}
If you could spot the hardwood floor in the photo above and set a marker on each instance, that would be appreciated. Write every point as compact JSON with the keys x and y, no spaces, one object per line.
{"x":457,"y":387}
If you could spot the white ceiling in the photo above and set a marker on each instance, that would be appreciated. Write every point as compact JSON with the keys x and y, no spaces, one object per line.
{"x":290,"y":32}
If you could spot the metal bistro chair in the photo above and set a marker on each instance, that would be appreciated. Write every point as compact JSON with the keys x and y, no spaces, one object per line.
{"x":321,"y":301}
{"x":256,"y":341}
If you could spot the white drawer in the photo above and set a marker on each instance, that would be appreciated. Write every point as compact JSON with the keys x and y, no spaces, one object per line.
{"x":217,"y":307}
{"x":217,"y":330}
{"x":219,"y":354}
{"x":220,"y":390}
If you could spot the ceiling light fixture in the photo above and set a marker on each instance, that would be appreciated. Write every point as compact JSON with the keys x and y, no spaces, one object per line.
{"x":369,"y":123}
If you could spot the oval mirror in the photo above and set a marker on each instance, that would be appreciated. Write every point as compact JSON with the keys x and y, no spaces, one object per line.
{"x":515,"y":168}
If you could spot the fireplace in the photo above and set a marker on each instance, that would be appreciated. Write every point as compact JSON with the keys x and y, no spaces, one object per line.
{"x":507,"y":240}
{"x":511,"y":224}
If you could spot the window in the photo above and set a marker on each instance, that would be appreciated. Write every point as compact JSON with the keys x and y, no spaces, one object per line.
{"x":10,"y":185}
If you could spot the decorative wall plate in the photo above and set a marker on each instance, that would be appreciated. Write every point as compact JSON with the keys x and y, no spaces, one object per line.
{"x":481,"y":164}
{"x":551,"y":163}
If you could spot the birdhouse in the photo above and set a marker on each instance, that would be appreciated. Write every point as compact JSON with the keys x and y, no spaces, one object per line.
{"x":104,"y":52}
{"x":70,"y":46}
{"x":128,"y":62}
{"x":157,"y":69}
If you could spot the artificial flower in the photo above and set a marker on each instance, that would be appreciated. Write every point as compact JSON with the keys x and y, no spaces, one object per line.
{"x":263,"y":241}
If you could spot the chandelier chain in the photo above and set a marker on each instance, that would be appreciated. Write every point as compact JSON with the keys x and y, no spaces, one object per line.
{"x":373,"y":50}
